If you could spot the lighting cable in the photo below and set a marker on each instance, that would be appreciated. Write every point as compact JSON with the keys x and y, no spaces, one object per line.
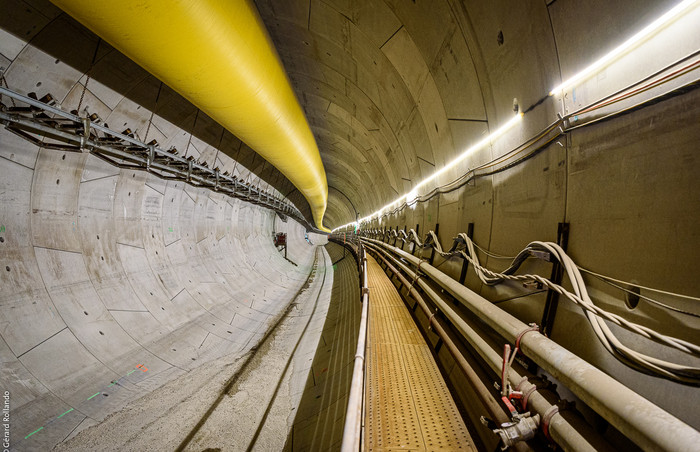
{"x":560,"y":127}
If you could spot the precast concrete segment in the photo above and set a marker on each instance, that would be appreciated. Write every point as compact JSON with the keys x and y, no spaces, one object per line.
{"x":115,"y":282}
{"x":408,"y":405}
{"x":219,"y":56}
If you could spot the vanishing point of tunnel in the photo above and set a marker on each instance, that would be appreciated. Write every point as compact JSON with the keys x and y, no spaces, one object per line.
{"x":344,"y":225}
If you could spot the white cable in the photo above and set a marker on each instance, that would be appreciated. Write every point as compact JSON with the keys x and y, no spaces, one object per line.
{"x":595,"y":315}
{"x":651,"y":289}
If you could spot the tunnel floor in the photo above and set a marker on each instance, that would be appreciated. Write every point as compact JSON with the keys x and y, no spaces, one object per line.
{"x":319,"y":420}
{"x":233,"y":403}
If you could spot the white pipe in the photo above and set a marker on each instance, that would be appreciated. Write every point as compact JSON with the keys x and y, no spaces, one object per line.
{"x":352,"y":432}
{"x":643,"y":422}
{"x":573,"y":434}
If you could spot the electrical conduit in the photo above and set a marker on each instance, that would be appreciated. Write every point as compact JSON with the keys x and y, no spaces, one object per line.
{"x":649,"y":426}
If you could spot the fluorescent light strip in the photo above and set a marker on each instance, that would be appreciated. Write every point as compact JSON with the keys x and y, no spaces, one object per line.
{"x":414,"y":191}
{"x":646,"y":32}
{"x":485,"y":141}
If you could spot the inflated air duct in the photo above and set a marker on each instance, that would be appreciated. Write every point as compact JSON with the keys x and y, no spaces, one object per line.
{"x":218,"y":55}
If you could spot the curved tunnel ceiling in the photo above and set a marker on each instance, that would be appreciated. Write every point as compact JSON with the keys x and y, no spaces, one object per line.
{"x":373,"y":78}
{"x":396,"y":89}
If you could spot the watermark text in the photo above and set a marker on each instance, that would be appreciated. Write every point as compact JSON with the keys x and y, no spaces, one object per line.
{"x":5,"y":421}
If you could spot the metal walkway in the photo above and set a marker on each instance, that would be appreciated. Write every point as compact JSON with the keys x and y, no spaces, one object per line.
{"x":408,"y":405}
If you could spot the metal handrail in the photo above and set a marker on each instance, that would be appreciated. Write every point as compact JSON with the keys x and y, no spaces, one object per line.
{"x":352,"y":431}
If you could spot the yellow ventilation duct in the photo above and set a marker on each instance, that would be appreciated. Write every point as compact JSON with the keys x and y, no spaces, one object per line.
{"x":218,"y":55}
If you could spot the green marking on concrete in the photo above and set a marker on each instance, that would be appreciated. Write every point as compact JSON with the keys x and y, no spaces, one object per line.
{"x":59,"y":417}
{"x":35,"y":431}
{"x":2,"y":228}
{"x":170,"y":229}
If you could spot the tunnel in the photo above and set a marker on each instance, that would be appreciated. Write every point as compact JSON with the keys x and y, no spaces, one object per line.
{"x":310,"y":225}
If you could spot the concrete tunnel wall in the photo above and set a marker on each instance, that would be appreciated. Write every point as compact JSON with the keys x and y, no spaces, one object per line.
{"x":392,"y":90}
{"x":105,"y":269}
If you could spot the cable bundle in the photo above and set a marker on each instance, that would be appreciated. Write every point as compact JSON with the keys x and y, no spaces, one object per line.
{"x":463,"y":246}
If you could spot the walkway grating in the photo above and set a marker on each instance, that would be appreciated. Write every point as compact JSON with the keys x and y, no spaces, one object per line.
{"x":408,"y":405}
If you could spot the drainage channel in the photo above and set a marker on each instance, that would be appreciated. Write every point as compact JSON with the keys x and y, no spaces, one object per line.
{"x":253,"y":408}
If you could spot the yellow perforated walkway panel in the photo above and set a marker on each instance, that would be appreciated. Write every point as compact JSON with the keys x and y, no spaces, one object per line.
{"x":408,"y":405}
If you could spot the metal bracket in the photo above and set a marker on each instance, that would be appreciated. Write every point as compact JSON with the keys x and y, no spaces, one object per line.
{"x":413,"y":248}
{"x":151,"y":156}
{"x":72,"y":133}
{"x":543,"y":255}
{"x":85,"y":137}
{"x":465,"y":263}
{"x":550,"y":306}
{"x":432,"y":249}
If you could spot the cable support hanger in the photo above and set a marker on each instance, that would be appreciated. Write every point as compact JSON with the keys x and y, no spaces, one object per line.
{"x":47,"y":126}
{"x":464,"y":247}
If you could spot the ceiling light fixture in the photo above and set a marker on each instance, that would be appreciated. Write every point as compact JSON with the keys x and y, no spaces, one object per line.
{"x":475,"y":147}
{"x":413,"y":194}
